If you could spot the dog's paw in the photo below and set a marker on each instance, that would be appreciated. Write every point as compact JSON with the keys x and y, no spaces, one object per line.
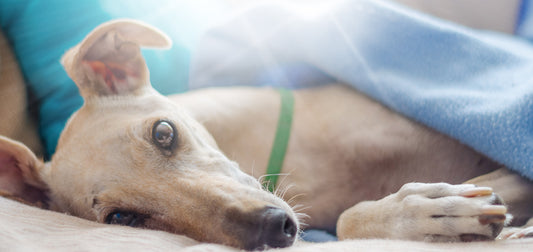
{"x":516,"y":233}
{"x":443,"y":212}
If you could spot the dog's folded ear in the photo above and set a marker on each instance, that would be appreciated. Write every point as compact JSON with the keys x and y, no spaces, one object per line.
{"x":20,"y":172}
{"x":109,"y":60}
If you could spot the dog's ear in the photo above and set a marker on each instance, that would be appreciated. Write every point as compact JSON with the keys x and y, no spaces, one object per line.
{"x":109,"y":60}
{"x":20,"y":172}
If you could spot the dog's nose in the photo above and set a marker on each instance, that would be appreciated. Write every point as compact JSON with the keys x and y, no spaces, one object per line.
{"x":276,"y":229}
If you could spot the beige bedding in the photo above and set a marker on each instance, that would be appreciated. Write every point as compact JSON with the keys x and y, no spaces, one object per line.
{"x":25,"y":228}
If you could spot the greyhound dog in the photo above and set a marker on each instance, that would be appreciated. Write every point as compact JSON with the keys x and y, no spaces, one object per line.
{"x":131,"y":156}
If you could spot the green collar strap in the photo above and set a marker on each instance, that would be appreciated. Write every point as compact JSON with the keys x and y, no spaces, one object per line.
{"x":281,"y":140}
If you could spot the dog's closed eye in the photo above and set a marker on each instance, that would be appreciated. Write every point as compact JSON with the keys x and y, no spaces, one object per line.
{"x":164,"y":135}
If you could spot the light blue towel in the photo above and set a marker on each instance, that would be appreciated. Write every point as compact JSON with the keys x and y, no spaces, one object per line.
{"x":474,"y":86}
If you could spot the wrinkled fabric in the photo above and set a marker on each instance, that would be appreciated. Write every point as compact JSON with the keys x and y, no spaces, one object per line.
{"x":475,"y":86}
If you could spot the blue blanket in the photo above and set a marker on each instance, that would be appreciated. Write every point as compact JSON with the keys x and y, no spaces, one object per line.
{"x":472,"y":85}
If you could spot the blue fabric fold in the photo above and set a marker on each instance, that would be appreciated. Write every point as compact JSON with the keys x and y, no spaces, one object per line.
{"x":475,"y":86}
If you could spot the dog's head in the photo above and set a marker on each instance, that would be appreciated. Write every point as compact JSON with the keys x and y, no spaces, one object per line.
{"x":130,"y":156}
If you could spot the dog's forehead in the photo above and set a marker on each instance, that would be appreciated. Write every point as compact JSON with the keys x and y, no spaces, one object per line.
{"x":137,"y":104}
{"x":125,"y":110}
{"x":112,"y":119}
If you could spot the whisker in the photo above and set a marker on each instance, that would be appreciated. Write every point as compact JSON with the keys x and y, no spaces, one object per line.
{"x":253,"y":169}
{"x":266,"y":184}
{"x":300,"y":208}
{"x":299,"y":211}
{"x":275,"y":174}
{"x":293,"y":198}
{"x":302,"y":218}
{"x":281,"y":190}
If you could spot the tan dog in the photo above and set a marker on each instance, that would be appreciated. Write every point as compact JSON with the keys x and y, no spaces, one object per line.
{"x":131,"y":156}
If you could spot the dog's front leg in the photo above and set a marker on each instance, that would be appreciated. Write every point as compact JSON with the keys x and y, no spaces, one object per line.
{"x":429,"y":212}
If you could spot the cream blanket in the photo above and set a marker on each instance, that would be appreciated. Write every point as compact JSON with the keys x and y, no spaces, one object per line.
{"x":26,"y":228}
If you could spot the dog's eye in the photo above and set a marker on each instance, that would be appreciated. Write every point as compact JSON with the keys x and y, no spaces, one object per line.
{"x":164,"y":134}
{"x":124,"y":218}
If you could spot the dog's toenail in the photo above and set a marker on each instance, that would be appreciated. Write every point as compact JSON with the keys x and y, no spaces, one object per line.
{"x":493,"y":210}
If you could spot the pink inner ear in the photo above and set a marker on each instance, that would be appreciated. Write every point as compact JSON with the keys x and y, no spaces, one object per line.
{"x":5,"y":162}
{"x":114,"y":74}
{"x":10,"y":176}
{"x":12,"y":183}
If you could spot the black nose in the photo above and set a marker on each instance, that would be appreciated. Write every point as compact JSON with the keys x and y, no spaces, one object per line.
{"x":276,"y":229}
{"x":279,"y":229}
